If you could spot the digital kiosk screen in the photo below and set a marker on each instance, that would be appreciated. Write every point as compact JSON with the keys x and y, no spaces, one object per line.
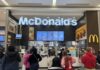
{"x":50,"y":36}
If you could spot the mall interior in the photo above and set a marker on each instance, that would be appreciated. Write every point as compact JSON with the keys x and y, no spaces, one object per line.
{"x":47,"y":24}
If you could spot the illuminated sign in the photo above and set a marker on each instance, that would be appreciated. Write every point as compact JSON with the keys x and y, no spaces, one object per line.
{"x":48,"y":21}
{"x":93,"y":38}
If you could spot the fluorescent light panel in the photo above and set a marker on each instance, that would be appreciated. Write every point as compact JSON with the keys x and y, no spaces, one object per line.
{"x":5,"y":2}
{"x":54,"y":3}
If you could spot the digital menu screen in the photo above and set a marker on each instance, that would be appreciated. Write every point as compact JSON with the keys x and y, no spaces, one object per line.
{"x":50,"y":35}
{"x":2,"y":38}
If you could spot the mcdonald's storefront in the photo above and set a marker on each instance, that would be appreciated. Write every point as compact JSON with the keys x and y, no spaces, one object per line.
{"x":90,"y":31}
{"x":87,"y":33}
{"x":93,"y":38}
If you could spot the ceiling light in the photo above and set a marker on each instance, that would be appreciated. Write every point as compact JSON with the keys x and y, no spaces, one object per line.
{"x":54,"y":3}
{"x":5,"y":2}
{"x":98,"y":5}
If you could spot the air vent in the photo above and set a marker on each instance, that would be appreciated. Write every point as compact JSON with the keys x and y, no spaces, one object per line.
{"x":29,"y":4}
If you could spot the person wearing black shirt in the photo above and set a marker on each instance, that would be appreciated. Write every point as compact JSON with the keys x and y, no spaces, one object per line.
{"x":34,"y":59}
{"x":11,"y":59}
{"x":1,"y":56}
{"x":98,"y":60}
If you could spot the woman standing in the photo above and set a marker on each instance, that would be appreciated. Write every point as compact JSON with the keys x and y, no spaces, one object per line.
{"x":25,"y":60}
{"x":66,"y":61}
{"x":34,"y":59}
{"x":11,"y":59}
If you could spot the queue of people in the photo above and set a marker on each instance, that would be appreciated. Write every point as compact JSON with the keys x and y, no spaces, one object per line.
{"x":10,"y":59}
{"x":88,"y":60}
{"x":61,"y":61}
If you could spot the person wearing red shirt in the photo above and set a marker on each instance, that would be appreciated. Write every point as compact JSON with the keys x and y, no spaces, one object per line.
{"x":66,"y":61}
{"x":89,"y":60}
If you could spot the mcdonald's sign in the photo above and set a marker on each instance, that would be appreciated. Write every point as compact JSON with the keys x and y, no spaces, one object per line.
{"x":93,"y":38}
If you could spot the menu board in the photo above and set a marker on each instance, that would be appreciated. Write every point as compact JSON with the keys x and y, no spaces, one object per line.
{"x":50,"y":36}
{"x":2,"y":38}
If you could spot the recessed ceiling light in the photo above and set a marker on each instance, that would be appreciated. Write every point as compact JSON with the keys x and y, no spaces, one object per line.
{"x":54,"y":2}
{"x":5,"y":2}
{"x":98,"y":5}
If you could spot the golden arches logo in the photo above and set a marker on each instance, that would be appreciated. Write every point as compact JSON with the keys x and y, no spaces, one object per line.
{"x":93,"y":38}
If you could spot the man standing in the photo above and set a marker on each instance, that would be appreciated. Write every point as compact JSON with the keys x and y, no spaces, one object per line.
{"x":89,"y":60}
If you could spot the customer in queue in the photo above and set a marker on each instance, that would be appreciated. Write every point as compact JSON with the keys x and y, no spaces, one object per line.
{"x":11,"y":59}
{"x":1,"y":56}
{"x":89,"y":60}
{"x":50,"y":58}
{"x":34,"y":59}
{"x":98,"y":60}
{"x":26,"y":60}
{"x":66,"y":61}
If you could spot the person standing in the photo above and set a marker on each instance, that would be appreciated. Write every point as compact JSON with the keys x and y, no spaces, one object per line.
{"x":50,"y":58}
{"x":60,"y":54}
{"x":1,"y":56}
{"x":25,"y":60}
{"x":11,"y":59}
{"x":89,"y":60}
{"x":98,"y":60}
{"x":66,"y":61}
{"x":34,"y":59}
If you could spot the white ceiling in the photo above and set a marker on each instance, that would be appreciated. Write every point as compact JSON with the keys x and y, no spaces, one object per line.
{"x":47,"y":12}
{"x":32,"y":8}
{"x":59,"y":3}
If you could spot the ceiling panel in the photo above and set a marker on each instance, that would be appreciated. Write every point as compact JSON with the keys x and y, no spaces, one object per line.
{"x":1,"y":3}
{"x":41,"y":3}
{"x":48,"y":12}
{"x":78,"y":2}
{"x":17,"y":2}
{"x":64,"y":2}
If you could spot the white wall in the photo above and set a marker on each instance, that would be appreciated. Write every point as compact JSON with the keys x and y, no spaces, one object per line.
{"x":2,"y":17}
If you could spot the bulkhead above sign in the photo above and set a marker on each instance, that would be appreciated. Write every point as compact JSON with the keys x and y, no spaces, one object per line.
{"x":48,"y":21}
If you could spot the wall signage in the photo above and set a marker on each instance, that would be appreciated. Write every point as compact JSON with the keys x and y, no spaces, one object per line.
{"x":48,"y":21}
{"x":93,"y":38}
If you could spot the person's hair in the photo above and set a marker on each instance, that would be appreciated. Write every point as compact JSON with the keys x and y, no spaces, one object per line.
{"x":52,"y":53}
{"x":33,"y":50}
{"x":89,"y":49}
{"x":99,"y":52}
{"x":67,"y":51}
{"x":64,"y":53}
{"x":1,"y":49}
{"x":1,"y":45}
{"x":11,"y":48}
{"x":69,"y":54}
